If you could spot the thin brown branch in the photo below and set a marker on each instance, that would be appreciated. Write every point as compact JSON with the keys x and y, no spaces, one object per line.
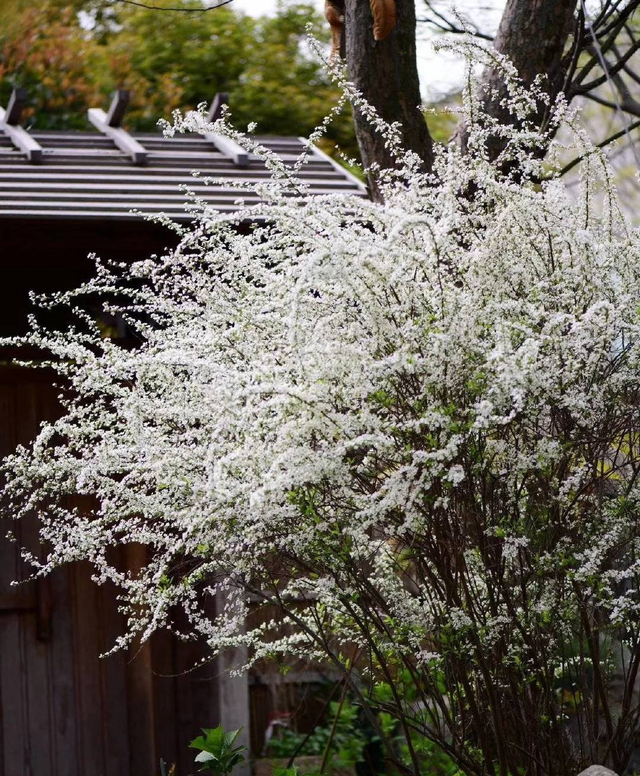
{"x":446,"y":25}
{"x":182,"y":10}
{"x":612,"y":30}
{"x":632,"y":107}
{"x":612,"y":69}
{"x":625,"y":14}
{"x":578,"y":44}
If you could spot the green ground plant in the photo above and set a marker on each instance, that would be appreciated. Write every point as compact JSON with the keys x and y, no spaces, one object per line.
{"x":218,"y":752}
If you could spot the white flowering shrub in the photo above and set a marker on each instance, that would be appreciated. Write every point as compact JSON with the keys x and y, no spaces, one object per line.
{"x":412,"y":427}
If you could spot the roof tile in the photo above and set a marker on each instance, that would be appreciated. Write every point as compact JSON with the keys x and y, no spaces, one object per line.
{"x":83,"y":175}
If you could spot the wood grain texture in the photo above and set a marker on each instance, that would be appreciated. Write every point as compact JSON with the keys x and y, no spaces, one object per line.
{"x":117,"y":722}
{"x":21,"y":139}
{"x":64,"y":711}
{"x":31,"y":408}
{"x":125,"y":142}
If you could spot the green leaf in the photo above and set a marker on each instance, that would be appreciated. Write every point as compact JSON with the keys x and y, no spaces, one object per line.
{"x":204,"y":757}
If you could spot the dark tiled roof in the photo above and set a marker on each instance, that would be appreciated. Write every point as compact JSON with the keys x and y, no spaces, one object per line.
{"x":83,"y":175}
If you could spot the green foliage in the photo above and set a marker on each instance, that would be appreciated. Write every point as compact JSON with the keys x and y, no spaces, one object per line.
{"x":43,"y":49}
{"x":346,"y":741}
{"x":432,"y":758}
{"x":442,"y":120}
{"x":182,"y":58}
{"x":350,"y":739}
{"x":170,"y":60}
{"x":218,"y":755}
{"x":293,"y":771}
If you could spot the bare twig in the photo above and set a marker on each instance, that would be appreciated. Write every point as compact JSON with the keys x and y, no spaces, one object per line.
{"x":442,"y":22}
{"x":183,"y":10}
{"x":612,"y":69}
{"x":604,"y":143}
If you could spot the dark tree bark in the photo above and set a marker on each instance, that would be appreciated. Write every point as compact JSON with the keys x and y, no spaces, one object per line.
{"x":533,"y":34}
{"x":386,"y":74}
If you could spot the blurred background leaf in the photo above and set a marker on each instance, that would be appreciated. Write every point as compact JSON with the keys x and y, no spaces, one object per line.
{"x":71,"y":54}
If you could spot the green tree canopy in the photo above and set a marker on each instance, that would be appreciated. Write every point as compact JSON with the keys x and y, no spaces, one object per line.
{"x":72,"y":55}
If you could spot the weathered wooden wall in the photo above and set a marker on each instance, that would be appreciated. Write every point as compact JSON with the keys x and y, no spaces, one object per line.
{"x":63,"y":710}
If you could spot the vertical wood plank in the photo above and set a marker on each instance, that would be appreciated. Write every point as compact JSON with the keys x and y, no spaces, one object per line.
{"x":14,"y":724}
{"x":65,"y":734}
{"x":86,"y":647}
{"x":63,"y":710}
{"x":234,"y":698}
{"x":29,"y":404}
{"x":187,"y":726}
{"x":12,"y":696}
{"x":114,"y":686}
{"x":165,"y":698}
{"x":140,"y":689}
{"x":39,"y":702}
{"x":234,"y":695}
{"x":197,"y":696}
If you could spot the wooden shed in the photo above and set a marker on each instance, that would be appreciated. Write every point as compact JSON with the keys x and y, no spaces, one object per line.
{"x":63,"y":710}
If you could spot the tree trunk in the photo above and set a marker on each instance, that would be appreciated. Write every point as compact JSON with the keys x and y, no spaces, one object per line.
{"x":386,"y":74}
{"x":533,"y":34}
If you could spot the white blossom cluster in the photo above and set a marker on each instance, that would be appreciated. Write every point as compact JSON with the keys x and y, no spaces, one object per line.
{"x":413,"y":425}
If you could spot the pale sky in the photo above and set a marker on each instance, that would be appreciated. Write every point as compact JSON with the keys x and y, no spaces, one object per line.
{"x":439,"y":73}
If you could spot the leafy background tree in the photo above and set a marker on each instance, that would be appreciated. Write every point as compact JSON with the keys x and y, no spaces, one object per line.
{"x":72,"y":56}
{"x":45,"y":50}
